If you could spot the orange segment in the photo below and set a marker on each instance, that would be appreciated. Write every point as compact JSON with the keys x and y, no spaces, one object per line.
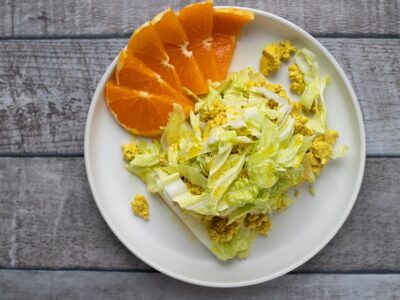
{"x":176,"y":42}
{"x":146,"y":45}
{"x":197,"y":21}
{"x":228,"y":22}
{"x":134,"y":74}
{"x":139,"y":112}
{"x":224,"y":47}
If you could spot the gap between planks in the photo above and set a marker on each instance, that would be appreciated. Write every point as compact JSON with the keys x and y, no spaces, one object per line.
{"x":153,"y":271}
{"x":126,"y":36}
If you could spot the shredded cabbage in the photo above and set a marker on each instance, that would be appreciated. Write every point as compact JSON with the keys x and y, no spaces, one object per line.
{"x":236,"y":156}
{"x":314,"y":91}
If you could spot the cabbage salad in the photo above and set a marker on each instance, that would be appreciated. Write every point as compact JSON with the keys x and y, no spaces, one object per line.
{"x":227,"y":168}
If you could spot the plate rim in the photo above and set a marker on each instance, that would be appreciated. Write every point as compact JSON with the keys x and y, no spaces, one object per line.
{"x":321,"y":244}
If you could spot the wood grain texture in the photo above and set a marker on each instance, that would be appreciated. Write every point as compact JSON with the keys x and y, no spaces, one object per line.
{"x":376,"y":81}
{"x":6,"y":18}
{"x":122,"y":285}
{"x":48,"y":219}
{"x":46,"y":87}
{"x":75,"y":17}
{"x":45,"y":91}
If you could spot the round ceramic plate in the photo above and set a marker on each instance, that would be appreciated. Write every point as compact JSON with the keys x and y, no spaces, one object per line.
{"x":297,"y":234}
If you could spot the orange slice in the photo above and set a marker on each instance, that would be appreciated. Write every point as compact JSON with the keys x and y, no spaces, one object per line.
{"x":195,"y":46}
{"x":139,"y":112}
{"x":146,"y":45}
{"x":132,"y":73}
{"x":228,"y":23}
{"x":176,"y":42}
{"x":140,"y":99}
{"x":197,"y":21}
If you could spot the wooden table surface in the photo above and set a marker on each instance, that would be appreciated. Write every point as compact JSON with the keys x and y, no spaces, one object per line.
{"x":53,"y":241}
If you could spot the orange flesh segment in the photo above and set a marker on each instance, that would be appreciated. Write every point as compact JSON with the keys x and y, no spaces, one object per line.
{"x":197,"y":21}
{"x":146,"y":45}
{"x":224,"y":47}
{"x":134,"y":74}
{"x":228,"y":23}
{"x":138,"y":112}
{"x":175,"y":42}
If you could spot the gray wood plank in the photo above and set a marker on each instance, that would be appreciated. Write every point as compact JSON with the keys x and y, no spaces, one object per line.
{"x":45,"y":91}
{"x":6,"y":18}
{"x":123,"y":285}
{"x":48,"y":219}
{"x":46,"y":88}
{"x":73,"y":17}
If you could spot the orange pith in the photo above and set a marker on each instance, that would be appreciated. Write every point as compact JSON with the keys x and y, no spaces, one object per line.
{"x":197,"y":21}
{"x":176,"y":42}
{"x":139,"y":112}
{"x":228,"y":22}
{"x":146,"y":45}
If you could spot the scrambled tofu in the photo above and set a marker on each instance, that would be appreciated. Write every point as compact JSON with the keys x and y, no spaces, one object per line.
{"x":273,"y":54}
{"x":130,"y":151}
{"x":272,"y":104}
{"x":140,"y":207}
{"x":215,"y":116}
{"x":219,"y":231}
{"x":215,"y":109}
{"x":273,"y":87}
{"x":297,"y":84}
{"x":219,"y":120}
{"x":193,"y":189}
{"x":300,"y":120}
{"x":278,"y":89}
{"x":260,"y":223}
{"x":320,"y":151}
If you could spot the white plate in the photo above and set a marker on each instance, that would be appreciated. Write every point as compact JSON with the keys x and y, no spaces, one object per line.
{"x":297,"y":234}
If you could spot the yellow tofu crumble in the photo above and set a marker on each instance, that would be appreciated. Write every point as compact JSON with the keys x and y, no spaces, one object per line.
{"x":220,"y":231}
{"x":297,"y":84}
{"x":260,"y":223}
{"x":129,"y":151}
{"x":273,"y":54}
{"x":300,"y":120}
{"x":215,"y":116}
{"x":320,"y":151}
{"x":140,"y":207}
{"x":193,"y":189}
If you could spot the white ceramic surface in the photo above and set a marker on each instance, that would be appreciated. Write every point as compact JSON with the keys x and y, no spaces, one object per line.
{"x":297,"y":234}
